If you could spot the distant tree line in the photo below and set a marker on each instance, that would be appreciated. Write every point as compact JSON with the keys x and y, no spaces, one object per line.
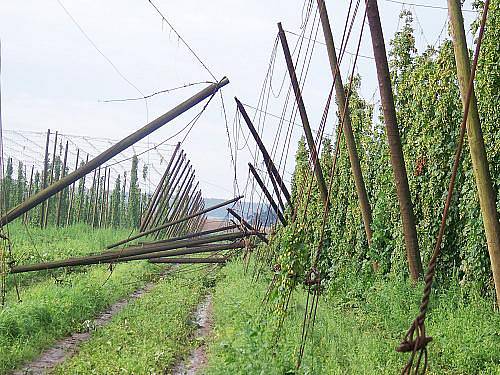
{"x":102,"y":203}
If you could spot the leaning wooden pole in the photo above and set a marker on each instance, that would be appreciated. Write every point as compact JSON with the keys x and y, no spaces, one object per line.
{"x":345,"y":115}
{"x":247,"y":225}
{"x":267,"y":158}
{"x":267,"y":194}
{"x":395,"y":147}
{"x":320,"y":179}
{"x":482,"y":175}
{"x":112,"y":151}
{"x":159,"y":189}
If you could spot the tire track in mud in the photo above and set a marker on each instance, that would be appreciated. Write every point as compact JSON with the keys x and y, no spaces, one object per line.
{"x":197,"y":359}
{"x":67,"y":347}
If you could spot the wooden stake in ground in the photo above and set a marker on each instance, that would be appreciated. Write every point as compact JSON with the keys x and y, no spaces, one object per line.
{"x":485,"y":190}
{"x":395,"y":148}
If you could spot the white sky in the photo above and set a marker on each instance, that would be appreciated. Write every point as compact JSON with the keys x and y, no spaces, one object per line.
{"x":52,"y":77}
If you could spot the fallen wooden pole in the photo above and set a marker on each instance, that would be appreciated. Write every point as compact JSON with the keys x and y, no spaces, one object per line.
{"x":106,"y":257}
{"x":153,"y":230}
{"x":188,"y":260}
{"x":194,"y":235}
{"x":182,"y":251}
{"x":111,"y":152}
{"x":247,"y":225}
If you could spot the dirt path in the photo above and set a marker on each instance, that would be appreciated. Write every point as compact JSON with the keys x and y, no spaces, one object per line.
{"x":67,"y":347}
{"x":198,"y":357}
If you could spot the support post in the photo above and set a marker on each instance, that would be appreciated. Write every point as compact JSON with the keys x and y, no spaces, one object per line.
{"x":44,"y":178}
{"x":395,"y":148}
{"x":247,"y":225}
{"x":345,"y":117}
{"x":487,"y":199}
{"x":72,"y":194}
{"x":60,"y":195}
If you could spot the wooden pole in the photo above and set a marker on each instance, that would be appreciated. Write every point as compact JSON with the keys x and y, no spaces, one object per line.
{"x":486,"y":193}
{"x":345,"y":117}
{"x":72,"y":194}
{"x":51,"y":180}
{"x":153,"y":230}
{"x":320,"y":179}
{"x":246,"y":224}
{"x":161,"y":186}
{"x":30,"y":191}
{"x":97,"y":191}
{"x":106,"y":217}
{"x":41,"y":196}
{"x":272,"y":170}
{"x":44,"y":178}
{"x":395,"y":148}
{"x":82,"y":197}
{"x":180,"y":248}
{"x":172,"y":182}
{"x":267,"y":194}
{"x":60,"y":194}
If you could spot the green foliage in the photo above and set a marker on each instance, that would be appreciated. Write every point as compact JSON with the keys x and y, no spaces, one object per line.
{"x":358,"y":324}
{"x":429,"y":114}
{"x":50,"y":310}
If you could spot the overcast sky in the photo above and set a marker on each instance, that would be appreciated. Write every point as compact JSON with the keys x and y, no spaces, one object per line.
{"x":53,"y":77}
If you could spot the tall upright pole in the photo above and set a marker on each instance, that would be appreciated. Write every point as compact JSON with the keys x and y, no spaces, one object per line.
{"x":44,"y":178}
{"x":82,"y":196}
{"x":395,"y":147}
{"x":345,"y":117}
{"x":320,"y":179}
{"x":52,"y":169}
{"x":62,"y":174}
{"x":128,"y":141}
{"x":72,"y":194}
{"x":30,"y":191}
{"x":487,"y":199}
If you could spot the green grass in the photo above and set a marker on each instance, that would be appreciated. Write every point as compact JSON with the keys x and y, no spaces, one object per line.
{"x":148,"y":336}
{"x":50,"y":310}
{"x":359,"y":323}
{"x":33,"y":245}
